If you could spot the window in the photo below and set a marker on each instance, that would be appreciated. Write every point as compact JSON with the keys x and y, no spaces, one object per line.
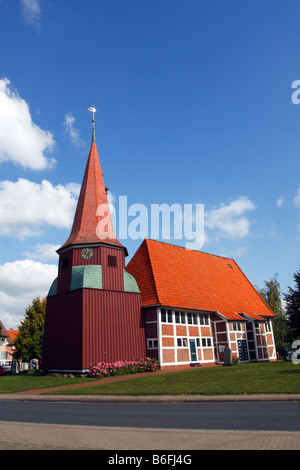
{"x":166,"y":316}
{"x":268,"y":328}
{"x":206,"y":342}
{"x":152,"y":343}
{"x":182,"y":342}
{"x":112,"y":261}
{"x":182,"y":317}
{"x":65,"y":263}
{"x":192,"y":318}
{"x":203,"y":319}
{"x":236,"y":326}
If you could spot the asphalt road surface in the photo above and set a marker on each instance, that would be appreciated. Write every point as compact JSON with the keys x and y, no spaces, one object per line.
{"x":231,"y":416}
{"x":40,"y":425}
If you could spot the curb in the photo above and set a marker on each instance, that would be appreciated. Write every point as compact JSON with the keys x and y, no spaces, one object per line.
{"x":148,"y":399}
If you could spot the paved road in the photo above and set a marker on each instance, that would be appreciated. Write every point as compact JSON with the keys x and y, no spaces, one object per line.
{"x":150,"y":426}
{"x":245,"y":416}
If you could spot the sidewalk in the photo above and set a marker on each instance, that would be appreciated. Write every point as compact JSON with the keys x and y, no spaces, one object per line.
{"x":31,"y":436}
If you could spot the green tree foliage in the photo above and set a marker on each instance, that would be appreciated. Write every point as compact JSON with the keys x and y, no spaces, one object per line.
{"x":292,"y":299}
{"x":31,"y":330}
{"x":271,"y":294}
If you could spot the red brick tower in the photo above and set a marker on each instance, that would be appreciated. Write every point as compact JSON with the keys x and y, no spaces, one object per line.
{"x":93,"y":306}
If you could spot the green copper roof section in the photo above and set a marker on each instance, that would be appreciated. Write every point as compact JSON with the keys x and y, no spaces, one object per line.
{"x":130,"y":284}
{"x":88,"y":276}
{"x":53,"y":288}
{"x":93,"y":135}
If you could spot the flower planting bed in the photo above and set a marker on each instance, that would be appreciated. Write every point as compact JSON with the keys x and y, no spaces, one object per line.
{"x":104,"y":369}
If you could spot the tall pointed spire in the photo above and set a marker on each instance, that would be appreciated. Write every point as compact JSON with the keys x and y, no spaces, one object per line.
{"x":92,"y":222}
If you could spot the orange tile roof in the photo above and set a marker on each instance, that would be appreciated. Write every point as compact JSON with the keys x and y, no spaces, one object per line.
{"x":177,"y":277}
{"x":12,"y":334}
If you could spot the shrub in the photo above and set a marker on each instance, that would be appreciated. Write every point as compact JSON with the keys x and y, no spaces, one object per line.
{"x":104,"y":369}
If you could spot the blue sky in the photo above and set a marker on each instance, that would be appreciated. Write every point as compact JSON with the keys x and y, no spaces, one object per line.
{"x":193,"y":106}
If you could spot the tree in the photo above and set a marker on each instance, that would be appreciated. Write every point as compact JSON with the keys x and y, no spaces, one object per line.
{"x":271,"y":294}
{"x":292,"y":299}
{"x":31,"y":330}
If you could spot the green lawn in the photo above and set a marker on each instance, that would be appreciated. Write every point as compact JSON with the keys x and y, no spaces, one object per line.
{"x":30,"y":380}
{"x":276,"y":377}
{"x":279,"y":377}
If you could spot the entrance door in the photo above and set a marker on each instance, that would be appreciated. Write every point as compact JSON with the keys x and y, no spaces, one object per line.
{"x":243,"y":350}
{"x":193,"y":351}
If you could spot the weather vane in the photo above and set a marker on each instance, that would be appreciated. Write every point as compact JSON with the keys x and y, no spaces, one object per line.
{"x":93,"y":110}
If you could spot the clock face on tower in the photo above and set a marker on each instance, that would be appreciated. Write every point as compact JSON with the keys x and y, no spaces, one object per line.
{"x":87,"y":253}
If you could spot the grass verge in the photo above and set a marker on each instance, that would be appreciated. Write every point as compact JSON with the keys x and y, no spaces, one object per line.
{"x":256,"y":378}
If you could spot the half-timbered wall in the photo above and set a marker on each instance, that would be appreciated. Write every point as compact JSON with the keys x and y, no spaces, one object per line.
{"x":178,"y":337}
{"x":169,"y":334}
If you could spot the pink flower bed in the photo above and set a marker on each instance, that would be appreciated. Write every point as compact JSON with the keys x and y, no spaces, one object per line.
{"x":104,"y":369}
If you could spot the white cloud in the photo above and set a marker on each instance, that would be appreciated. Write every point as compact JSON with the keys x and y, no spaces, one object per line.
{"x":238,"y":252}
{"x":297,"y":204}
{"x":32,"y":11}
{"x":228,"y":221}
{"x":72,"y":131}
{"x":26,"y":207}
{"x":280,"y":201}
{"x":21,"y":282}
{"x":297,"y":198}
{"x":43,"y":252}
{"x":21,"y":140}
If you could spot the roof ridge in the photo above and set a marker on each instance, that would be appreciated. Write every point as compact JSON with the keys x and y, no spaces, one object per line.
{"x":190,"y":249}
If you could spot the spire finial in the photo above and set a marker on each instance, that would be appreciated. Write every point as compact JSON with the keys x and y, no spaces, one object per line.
{"x":93,"y":110}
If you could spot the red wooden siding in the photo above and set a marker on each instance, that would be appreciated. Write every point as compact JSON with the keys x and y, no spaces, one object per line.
{"x":62,"y":343}
{"x":64,"y":274}
{"x":112,"y":276}
{"x":113,"y":328}
{"x":92,"y":325}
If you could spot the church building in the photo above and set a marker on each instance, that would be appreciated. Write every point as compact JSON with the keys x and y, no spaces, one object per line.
{"x":182,"y":306}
